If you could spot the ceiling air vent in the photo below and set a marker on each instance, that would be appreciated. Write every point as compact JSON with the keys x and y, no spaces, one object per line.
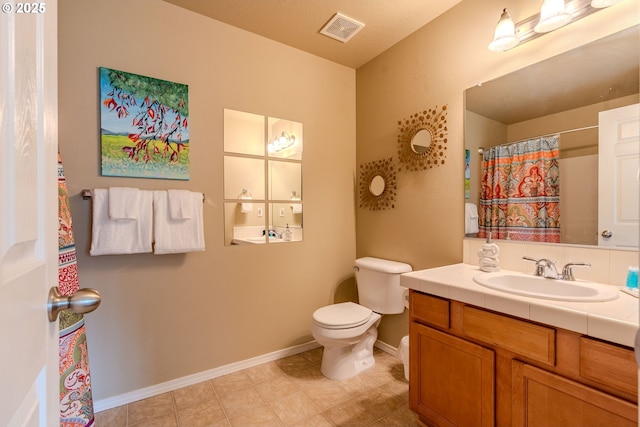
{"x":341,"y":27}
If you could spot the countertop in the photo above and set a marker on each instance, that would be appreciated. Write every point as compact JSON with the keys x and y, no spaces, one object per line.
{"x":615,"y":321}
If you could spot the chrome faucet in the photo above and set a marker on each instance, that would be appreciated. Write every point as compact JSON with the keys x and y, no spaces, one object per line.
{"x":544,"y":268}
{"x":547,"y":268}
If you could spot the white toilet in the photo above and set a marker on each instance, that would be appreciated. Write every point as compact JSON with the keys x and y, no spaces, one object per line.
{"x":348,"y":330}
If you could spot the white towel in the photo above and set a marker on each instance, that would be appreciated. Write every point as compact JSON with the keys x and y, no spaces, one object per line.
{"x":180,"y":204}
{"x":123,"y":202}
{"x":470,"y":218}
{"x":246,"y":207}
{"x":177,"y":236}
{"x":296,"y":207}
{"x":121,"y":236}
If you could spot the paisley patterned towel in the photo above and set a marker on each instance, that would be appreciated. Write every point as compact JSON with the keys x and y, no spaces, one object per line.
{"x":76,"y":402}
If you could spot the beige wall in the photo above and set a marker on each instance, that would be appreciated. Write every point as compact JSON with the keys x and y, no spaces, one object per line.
{"x":432,"y":67}
{"x":166,"y":317}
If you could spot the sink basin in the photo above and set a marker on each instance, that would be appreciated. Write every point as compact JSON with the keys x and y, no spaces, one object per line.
{"x":255,"y":240}
{"x":538,"y":287}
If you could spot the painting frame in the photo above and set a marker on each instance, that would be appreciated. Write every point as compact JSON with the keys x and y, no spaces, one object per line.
{"x":144,"y":126}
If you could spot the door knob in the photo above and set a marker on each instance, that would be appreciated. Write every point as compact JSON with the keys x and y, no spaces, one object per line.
{"x":82,"y":301}
{"x":606,"y":234}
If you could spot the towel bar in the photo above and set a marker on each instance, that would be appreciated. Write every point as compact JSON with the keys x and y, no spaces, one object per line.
{"x":87,"y":194}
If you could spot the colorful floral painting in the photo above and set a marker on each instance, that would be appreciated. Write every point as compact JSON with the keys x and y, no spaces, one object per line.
{"x":144,"y":126}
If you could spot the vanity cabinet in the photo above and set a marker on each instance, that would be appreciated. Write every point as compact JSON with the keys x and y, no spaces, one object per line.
{"x":541,"y":398}
{"x":454,"y":379}
{"x":474,"y":367}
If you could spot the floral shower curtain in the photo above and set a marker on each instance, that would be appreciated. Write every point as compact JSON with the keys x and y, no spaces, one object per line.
{"x":76,"y":401}
{"x":520,"y":195}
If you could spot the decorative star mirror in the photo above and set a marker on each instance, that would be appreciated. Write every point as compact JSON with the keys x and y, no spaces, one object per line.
{"x":422,"y":139}
{"x":378,"y":185}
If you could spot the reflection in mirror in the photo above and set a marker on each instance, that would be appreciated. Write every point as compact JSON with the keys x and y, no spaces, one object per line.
{"x":243,"y":178}
{"x":244,"y":223}
{"x":562,"y":95}
{"x":421,"y":141}
{"x":284,"y":139}
{"x":243,"y":133}
{"x":287,"y":216}
{"x":262,"y":179}
{"x":376,"y":187}
{"x":286,"y":179}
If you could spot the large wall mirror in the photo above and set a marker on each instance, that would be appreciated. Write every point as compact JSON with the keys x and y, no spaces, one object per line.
{"x":562,"y":95}
{"x":262,"y":179}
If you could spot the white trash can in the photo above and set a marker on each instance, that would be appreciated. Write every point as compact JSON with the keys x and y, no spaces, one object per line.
{"x":403,"y":354}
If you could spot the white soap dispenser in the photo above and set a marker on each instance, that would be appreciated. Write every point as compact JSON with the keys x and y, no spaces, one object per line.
{"x":488,"y":255}
{"x":287,"y":235}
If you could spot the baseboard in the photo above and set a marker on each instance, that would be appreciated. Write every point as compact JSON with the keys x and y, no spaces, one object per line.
{"x":147,"y":392}
{"x":387,"y":348}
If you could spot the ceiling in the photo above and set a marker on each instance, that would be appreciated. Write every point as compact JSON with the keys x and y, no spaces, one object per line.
{"x":297,"y":23}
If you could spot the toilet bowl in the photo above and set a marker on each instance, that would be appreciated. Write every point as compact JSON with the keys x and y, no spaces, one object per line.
{"x":339,"y":328}
{"x":348,"y":331}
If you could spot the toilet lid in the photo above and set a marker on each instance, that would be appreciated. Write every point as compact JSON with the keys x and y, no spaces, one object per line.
{"x":342,"y":316}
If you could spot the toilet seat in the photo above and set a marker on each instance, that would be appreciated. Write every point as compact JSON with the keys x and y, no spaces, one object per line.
{"x":342,"y":316}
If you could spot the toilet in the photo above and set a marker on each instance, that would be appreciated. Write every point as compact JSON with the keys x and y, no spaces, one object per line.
{"x":347,"y":330}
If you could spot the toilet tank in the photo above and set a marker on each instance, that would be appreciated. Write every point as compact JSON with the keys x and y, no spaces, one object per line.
{"x":378,"y":282}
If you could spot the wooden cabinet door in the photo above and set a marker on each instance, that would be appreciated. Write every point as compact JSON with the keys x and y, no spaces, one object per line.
{"x":542,"y":398}
{"x":452,"y":381}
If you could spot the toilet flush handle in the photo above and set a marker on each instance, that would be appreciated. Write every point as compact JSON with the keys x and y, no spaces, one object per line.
{"x":356,"y":268}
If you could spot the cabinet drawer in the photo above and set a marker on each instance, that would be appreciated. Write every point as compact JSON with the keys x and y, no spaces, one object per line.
{"x":609,"y":364}
{"x":526,"y":339}
{"x":429,"y":309}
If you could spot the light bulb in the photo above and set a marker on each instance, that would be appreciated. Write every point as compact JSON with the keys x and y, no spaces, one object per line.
{"x":505,"y":35}
{"x":552,"y":16}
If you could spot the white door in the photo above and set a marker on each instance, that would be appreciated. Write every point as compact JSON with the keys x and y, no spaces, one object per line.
{"x":619,"y":177}
{"x":29,"y":378}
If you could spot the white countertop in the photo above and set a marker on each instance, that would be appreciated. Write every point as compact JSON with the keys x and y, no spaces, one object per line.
{"x":615,"y":321}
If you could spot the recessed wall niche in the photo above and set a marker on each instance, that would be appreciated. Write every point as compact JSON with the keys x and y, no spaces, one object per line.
{"x":262,"y":179}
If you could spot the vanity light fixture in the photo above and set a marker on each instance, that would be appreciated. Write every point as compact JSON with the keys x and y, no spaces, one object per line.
{"x":505,"y":36}
{"x":285,"y":141}
{"x":553,"y":15}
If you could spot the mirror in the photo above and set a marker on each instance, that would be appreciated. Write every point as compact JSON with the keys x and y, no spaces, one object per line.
{"x":376,"y":187}
{"x":262,"y":179}
{"x":562,"y":94}
{"x":421,"y":141}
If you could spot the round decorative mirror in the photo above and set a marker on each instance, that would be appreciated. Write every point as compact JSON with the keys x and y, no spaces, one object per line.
{"x":421,"y":141}
{"x":376,"y":186}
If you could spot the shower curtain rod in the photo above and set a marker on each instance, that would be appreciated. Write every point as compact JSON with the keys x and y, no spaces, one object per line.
{"x":481,"y":149}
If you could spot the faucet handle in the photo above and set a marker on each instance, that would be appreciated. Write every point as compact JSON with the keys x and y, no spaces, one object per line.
{"x":539,"y":265}
{"x":567,"y":271}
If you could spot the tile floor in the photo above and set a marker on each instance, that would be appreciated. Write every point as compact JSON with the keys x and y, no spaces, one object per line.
{"x":282,"y":393}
